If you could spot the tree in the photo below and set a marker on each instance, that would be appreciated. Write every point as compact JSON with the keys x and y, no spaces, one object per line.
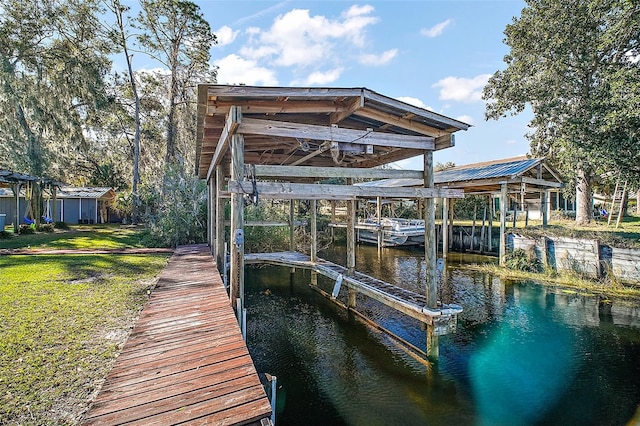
{"x":120,"y":34}
{"x":571,"y":62}
{"x":176,"y":34}
{"x":53,"y":63}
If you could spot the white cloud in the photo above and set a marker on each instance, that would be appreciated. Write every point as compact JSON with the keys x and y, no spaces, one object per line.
{"x":298,"y":39}
{"x":436,"y":30}
{"x":236,"y":70}
{"x":465,"y":119}
{"x":511,"y":142}
{"x":414,"y":101}
{"x":225,"y":35}
{"x":319,"y":77}
{"x":376,"y":60}
{"x":462,"y":89}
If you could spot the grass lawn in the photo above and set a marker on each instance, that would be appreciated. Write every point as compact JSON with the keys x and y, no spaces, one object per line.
{"x":110,"y":236}
{"x":63,"y":320}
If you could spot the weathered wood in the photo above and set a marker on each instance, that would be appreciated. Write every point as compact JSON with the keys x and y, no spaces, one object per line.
{"x":219,"y":219}
{"x":313,"y":213}
{"x":445,"y":228}
{"x":401,"y":122}
{"x":185,"y":360}
{"x":286,"y":190}
{"x":351,"y":232}
{"x":540,"y":182}
{"x":405,"y":301}
{"x":430,"y":255}
{"x":333,"y":172}
{"x":353,"y":106}
{"x":503,"y":224}
{"x":257,"y":126}
{"x":234,"y":117}
{"x":237,"y":223}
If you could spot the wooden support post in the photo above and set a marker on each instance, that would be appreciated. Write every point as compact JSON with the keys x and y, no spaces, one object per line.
{"x":211,"y":214}
{"x":314,"y":230}
{"x":220,"y":234}
{"x":544,"y":208}
{"x":292,"y":235}
{"x":237,"y":223}
{"x":482,"y":234}
{"x":452,"y":202}
{"x":503,"y":223}
{"x":54,"y":190}
{"x":351,"y":298}
{"x":430,"y":254}
{"x":16,"y":216}
{"x":351,"y":233}
{"x":492,"y":208}
{"x":333,"y":219}
{"x":379,"y":219}
{"x":515,"y":213}
{"x":473,"y":227}
{"x":445,"y":228}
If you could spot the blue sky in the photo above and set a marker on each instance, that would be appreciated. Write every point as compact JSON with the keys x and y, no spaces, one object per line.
{"x":434,"y":54}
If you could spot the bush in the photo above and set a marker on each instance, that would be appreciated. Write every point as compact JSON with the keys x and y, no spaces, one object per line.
{"x":5,"y":235}
{"x":181,"y":214}
{"x":61,"y":225}
{"x":46,"y":227}
{"x":27,"y":229}
{"x":522,"y":261}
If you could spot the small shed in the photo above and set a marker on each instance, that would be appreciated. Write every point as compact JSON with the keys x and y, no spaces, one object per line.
{"x":84,"y":204}
{"x":74,"y":204}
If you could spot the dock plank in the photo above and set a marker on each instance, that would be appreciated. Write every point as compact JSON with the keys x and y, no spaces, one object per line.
{"x":185,"y":360}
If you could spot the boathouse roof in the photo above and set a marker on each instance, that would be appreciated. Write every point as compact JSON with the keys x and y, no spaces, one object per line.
{"x":487,"y":176}
{"x":313,"y":126}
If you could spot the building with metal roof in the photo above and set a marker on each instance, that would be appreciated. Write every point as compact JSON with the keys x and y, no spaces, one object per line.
{"x":73,"y":204}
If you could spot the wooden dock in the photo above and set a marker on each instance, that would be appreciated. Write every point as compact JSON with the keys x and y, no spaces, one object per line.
{"x":444,"y":318}
{"x":185,"y":361}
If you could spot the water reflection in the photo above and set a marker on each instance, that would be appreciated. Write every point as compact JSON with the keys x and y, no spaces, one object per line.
{"x":523,"y":353}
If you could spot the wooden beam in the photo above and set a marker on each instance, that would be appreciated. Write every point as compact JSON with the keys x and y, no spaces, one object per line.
{"x":541,"y":182}
{"x":234,"y":117}
{"x":279,"y":107}
{"x":334,"y":172}
{"x":335,"y":134}
{"x":403,"y":123}
{"x":309,"y":191}
{"x":446,"y":141}
{"x":355,"y":105}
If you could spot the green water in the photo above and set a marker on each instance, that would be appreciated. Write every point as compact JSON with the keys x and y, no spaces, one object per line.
{"x":522,"y":353}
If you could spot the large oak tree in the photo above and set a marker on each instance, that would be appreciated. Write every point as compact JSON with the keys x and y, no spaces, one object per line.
{"x":575,"y":63}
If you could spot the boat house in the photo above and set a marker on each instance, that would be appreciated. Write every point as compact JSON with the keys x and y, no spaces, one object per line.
{"x":257,"y":143}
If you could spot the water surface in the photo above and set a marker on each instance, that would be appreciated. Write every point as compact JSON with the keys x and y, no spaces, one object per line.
{"x":522,"y":354}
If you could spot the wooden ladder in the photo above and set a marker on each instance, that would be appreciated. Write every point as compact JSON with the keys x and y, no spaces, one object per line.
{"x":618,"y":196}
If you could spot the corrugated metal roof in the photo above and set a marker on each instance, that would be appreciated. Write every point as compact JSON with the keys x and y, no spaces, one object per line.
{"x":72,"y":192}
{"x":506,"y":168}
{"x":492,"y":170}
{"x":85,"y":192}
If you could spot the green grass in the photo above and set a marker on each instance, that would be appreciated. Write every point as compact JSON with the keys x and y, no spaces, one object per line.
{"x":62,"y":322}
{"x":82,"y":237}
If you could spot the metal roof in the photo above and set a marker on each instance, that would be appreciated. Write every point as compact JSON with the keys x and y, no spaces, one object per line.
{"x":507,"y":168}
{"x":85,"y":192}
{"x":482,"y":177}
{"x":72,"y":192}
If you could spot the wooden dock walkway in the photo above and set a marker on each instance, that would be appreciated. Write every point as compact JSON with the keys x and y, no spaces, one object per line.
{"x":185,"y":361}
{"x":444,"y":317}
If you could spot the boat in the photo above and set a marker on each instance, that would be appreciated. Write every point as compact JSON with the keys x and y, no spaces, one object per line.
{"x":395,"y":231}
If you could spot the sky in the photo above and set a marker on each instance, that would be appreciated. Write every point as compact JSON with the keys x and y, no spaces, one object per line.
{"x":434,"y":54}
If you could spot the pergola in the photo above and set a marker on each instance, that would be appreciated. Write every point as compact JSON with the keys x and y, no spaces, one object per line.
{"x":283,"y":142}
{"x":15,"y":181}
